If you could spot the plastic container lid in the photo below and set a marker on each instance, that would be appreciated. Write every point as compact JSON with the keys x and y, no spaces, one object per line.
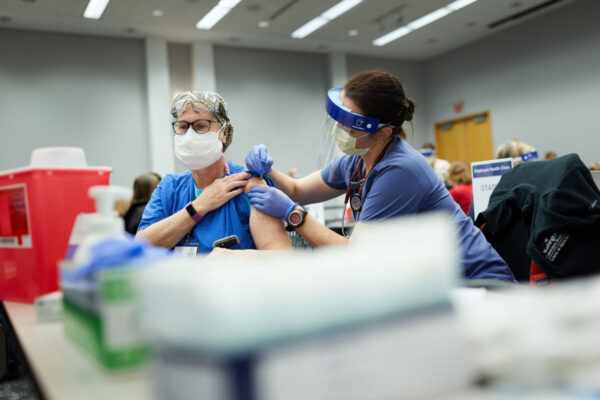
{"x":58,"y":157}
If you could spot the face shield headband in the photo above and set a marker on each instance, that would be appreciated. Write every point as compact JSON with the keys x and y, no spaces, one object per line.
{"x":344,"y":116}
{"x":532,"y":155}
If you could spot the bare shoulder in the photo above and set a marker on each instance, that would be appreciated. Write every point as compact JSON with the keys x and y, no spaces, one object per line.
{"x":254,"y":182}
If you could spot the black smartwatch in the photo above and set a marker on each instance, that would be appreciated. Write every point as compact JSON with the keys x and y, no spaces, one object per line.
{"x":296,"y":218}
{"x":196,"y":216}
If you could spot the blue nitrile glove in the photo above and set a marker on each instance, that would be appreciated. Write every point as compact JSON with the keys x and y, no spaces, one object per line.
{"x":258,"y":160}
{"x":112,"y":253}
{"x":271,"y":201}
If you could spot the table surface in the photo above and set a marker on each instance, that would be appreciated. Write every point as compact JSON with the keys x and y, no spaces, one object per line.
{"x":62,"y":370}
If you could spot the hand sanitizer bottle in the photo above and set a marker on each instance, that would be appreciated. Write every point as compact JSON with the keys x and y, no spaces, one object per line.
{"x":90,"y":229}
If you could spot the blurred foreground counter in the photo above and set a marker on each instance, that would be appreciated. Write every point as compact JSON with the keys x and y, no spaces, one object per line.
{"x":63,"y":371}
{"x":333,"y":366}
{"x":380,"y":319}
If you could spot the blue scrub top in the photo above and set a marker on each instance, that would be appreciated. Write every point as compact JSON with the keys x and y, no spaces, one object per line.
{"x":232,"y":218}
{"x":404,"y":183}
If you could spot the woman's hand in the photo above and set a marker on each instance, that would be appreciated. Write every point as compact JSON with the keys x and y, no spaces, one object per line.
{"x":258,"y":160}
{"x":271,"y":201}
{"x":220,"y":192}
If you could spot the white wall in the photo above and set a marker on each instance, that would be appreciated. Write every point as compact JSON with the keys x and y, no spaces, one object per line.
{"x":158,"y":88}
{"x":412,"y":76}
{"x":540,"y":80}
{"x":180,"y":68}
{"x":276,"y":98}
{"x":68,"y":90}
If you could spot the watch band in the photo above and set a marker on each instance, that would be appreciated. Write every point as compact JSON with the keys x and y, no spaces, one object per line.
{"x":196,"y":216}
{"x":298,"y":212}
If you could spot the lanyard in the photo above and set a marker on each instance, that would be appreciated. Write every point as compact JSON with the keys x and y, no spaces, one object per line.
{"x":355,"y":198}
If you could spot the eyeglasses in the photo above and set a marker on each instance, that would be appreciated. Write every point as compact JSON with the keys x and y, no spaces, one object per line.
{"x":199,"y":126}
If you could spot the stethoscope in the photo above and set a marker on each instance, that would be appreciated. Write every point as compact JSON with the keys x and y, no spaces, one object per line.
{"x":355,"y":198}
{"x":356,"y":184}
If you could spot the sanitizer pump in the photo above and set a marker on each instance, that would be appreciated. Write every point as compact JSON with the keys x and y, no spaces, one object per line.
{"x":90,"y":229}
{"x":105,"y":222}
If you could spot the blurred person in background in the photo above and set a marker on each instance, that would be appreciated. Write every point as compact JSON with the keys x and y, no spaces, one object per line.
{"x":516,"y":149}
{"x":143,"y":187}
{"x":121,"y":206}
{"x":459,"y":177}
{"x":595,"y":167}
{"x":294,"y":172}
{"x":439,"y":165}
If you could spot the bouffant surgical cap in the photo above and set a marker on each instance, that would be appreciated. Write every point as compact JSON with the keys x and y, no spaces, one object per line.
{"x":212,"y":102}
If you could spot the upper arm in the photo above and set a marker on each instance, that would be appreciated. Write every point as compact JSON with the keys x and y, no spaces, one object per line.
{"x":313,"y":189}
{"x":254,"y":182}
{"x":267,"y":232}
{"x":307,"y":190}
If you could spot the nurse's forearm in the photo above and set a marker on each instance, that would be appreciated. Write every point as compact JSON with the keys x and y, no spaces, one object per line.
{"x":284,"y":182}
{"x":318,"y":235}
{"x":168,"y":232}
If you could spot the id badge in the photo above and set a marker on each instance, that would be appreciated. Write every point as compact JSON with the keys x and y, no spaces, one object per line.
{"x":186,"y":250}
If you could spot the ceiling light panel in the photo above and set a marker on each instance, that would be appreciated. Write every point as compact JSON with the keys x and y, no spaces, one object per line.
{"x":421,"y":22}
{"x":327,"y":16}
{"x":429,"y":18}
{"x":216,"y":14}
{"x":458,"y":4}
{"x":340,"y":8}
{"x":95,"y":9}
{"x":393,"y":35}
{"x":309,"y":27}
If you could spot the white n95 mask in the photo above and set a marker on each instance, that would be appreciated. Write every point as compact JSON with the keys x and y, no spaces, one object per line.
{"x":198,"y":150}
{"x":347,"y":143}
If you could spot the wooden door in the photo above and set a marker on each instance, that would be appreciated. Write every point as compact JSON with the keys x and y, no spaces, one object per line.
{"x":465,"y":139}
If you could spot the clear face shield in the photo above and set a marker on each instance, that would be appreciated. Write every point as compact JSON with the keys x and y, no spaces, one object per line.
{"x":339,"y":121}
{"x":532,"y":155}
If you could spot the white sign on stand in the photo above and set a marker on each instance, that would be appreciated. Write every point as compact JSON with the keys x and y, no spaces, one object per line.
{"x":596,"y":177}
{"x":486,"y":175}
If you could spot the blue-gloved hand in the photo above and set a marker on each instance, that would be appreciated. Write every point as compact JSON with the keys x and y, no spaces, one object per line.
{"x":271,"y":201}
{"x":258,"y":160}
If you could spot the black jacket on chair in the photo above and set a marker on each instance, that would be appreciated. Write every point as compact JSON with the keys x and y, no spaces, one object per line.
{"x":548,"y":211}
